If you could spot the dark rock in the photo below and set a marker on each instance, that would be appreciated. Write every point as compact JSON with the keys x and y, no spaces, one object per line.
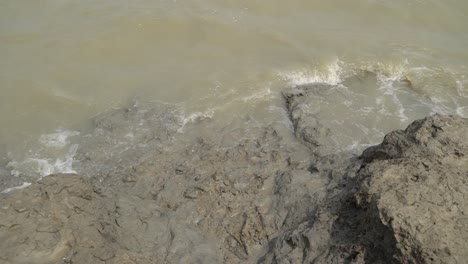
{"x":405,"y":204}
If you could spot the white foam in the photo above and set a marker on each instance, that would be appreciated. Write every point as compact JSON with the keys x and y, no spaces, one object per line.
{"x":461,"y":89}
{"x":389,"y":72}
{"x":66,"y":166}
{"x":462,"y":111}
{"x":58,"y":139}
{"x":378,"y":100}
{"x":130,"y":136}
{"x":401,"y":109}
{"x":194,"y":117}
{"x":44,"y":166}
{"x":355,"y":145}
{"x":386,"y":80}
{"x":22,"y":186}
{"x":261,"y":95}
{"x":331,"y":74}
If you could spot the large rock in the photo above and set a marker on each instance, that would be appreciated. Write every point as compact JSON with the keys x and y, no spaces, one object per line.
{"x":407,"y":203}
{"x":417,"y":179}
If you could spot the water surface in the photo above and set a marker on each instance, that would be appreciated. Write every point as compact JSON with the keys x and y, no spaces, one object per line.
{"x":63,"y":62}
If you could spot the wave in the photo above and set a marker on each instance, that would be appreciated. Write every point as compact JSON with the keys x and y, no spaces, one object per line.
{"x":55,"y":154}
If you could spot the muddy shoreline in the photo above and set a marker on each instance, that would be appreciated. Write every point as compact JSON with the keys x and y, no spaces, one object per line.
{"x":246,"y":193}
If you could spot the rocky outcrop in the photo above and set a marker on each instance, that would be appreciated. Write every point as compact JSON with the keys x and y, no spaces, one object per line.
{"x":417,"y":179}
{"x":406,"y":203}
{"x":241,"y":193}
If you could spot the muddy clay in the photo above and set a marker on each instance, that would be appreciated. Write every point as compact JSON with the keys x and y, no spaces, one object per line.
{"x":246,"y":193}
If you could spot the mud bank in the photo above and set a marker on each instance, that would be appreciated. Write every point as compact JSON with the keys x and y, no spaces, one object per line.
{"x":244,"y":193}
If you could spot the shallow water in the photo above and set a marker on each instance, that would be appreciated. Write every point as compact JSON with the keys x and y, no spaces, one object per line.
{"x":63,"y":62}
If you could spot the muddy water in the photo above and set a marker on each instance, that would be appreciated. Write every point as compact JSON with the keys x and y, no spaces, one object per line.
{"x":63,"y":62}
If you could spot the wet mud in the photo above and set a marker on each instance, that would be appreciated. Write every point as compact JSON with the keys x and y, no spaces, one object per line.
{"x":244,"y":192}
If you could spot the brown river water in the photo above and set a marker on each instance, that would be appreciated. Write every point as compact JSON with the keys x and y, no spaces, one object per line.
{"x":62,"y":62}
